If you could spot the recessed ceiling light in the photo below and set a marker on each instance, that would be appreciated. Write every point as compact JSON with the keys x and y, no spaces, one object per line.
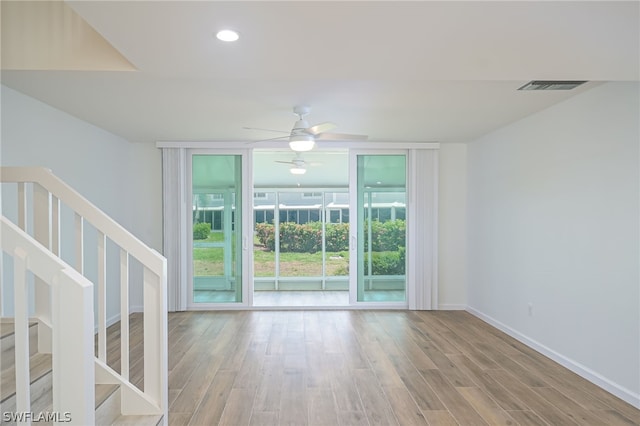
{"x":227,"y":35}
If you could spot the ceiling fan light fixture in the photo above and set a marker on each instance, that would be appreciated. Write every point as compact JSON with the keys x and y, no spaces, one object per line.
{"x":298,"y":170}
{"x":227,"y":35}
{"x":301,"y":143}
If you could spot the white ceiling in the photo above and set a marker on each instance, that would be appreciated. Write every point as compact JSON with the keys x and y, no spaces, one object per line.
{"x":397,"y":71}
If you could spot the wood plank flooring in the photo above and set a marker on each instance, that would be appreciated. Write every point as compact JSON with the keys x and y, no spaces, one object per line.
{"x":369,"y":368}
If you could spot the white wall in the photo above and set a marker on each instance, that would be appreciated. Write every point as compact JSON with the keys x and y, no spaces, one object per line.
{"x":553,"y":211}
{"x":452,"y":232}
{"x":121,"y":178}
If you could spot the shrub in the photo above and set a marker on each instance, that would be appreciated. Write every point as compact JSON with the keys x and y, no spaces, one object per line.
{"x":337,"y":237}
{"x":266,"y":235}
{"x":387,"y":262}
{"x":201,"y":231}
{"x":307,"y":238}
{"x":300,"y":238}
{"x":386,"y":236}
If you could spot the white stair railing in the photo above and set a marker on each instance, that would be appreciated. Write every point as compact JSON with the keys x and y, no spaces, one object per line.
{"x":40,"y":197}
{"x":73,"y":366}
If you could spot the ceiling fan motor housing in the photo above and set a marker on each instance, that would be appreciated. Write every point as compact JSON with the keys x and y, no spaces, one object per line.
{"x":301,"y":110}
{"x":300,"y":127}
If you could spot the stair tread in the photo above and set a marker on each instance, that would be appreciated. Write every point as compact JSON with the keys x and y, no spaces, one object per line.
{"x":104,"y":391}
{"x":107,"y":416}
{"x":8,"y":340}
{"x":39,"y":365}
{"x":7,"y":328}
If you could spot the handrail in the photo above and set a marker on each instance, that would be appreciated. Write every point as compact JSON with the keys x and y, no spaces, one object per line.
{"x":73,"y":374}
{"x":116,"y":232}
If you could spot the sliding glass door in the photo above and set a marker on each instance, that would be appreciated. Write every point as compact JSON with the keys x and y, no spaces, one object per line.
{"x":301,"y":240}
{"x":379,"y":238}
{"x":216,"y":229}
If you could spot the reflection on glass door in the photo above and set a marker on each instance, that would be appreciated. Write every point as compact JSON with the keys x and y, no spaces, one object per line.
{"x":217,"y":228}
{"x":381,"y":229}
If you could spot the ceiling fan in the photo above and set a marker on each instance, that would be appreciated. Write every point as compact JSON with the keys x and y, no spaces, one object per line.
{"x":303,"y":137}
{"x":299,"y":164}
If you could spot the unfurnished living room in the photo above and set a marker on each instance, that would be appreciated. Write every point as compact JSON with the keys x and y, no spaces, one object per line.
{"x":320,"y":213}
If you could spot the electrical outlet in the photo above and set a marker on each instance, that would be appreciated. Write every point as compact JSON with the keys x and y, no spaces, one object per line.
{"x":530,"y":309}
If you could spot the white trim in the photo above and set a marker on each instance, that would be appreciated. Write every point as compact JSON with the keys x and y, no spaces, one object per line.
{"x":414,"y":294}
{"x":246,"y":253}
{"x":332,"y":145}
{"x":353,"y":227}
{"x":246,"y":221}
{"x":581,"y":370}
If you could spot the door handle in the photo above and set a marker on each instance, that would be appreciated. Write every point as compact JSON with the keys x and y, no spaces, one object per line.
{"x":353,"y":242}
{"x":244,"y":243}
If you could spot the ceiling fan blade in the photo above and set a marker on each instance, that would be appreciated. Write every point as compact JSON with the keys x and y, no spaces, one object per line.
{"x":321,"y":128}
{"x":285,"y":162}
{"x":341,"y":137}
{"x":266,"y":140}
{"x":266,"y":130}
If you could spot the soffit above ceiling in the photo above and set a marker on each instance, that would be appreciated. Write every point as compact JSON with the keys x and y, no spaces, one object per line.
{"x":49,"y":35}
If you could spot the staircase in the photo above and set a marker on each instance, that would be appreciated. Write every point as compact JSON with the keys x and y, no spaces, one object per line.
{"x":107,"y":396}
{"x":53,"y":364}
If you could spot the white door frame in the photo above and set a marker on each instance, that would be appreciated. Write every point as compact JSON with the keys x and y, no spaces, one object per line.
{"x":353,"y":229}
{"x":247,"y":230}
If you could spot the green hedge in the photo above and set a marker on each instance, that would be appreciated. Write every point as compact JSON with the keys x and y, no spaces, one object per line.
{"x":307,"y":238}
{"x":386,"y":236}
{"x":337,"y":237}
{"x":201,"y":231}
{"x":387,"y":262}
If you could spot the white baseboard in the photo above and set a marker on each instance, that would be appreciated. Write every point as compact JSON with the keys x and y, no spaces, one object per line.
{"x":584,"y":372}
{"x":110,"y":321}
{"x":115,"y":318}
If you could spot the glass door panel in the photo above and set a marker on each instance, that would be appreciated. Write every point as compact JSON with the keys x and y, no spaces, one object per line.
{"x":300,"y":241}
{"x":265,"y":231}
{"x":381,"y":228}
{"x":336,"y":240}
{"x":217,"y":228}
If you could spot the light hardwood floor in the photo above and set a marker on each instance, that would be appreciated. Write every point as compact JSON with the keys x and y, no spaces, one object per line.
{"x":368,"y":368}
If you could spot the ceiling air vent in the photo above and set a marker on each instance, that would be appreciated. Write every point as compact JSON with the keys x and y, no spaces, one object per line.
{"x":551,"y":85}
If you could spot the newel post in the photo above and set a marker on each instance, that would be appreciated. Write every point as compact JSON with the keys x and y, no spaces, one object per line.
{"x":73,"y":358}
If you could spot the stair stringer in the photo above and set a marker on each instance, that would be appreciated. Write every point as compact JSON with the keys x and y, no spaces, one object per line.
{"x":133,"y":400}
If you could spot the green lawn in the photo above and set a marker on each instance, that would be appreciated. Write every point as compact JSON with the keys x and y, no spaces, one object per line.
{"x":209,"y":261}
